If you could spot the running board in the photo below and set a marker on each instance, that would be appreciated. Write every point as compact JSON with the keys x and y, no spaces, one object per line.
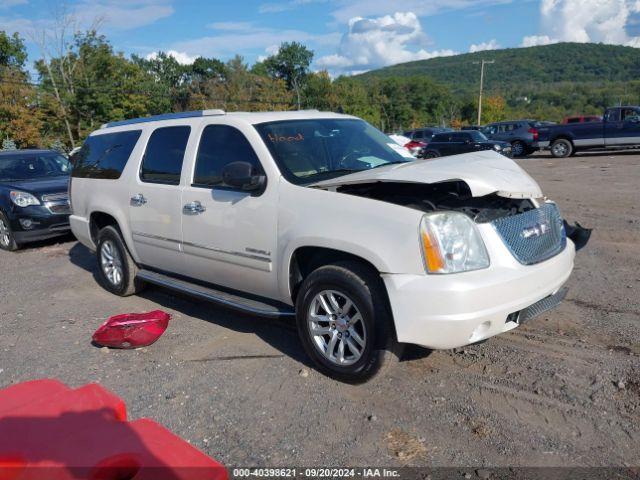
{"x":237,"y":302}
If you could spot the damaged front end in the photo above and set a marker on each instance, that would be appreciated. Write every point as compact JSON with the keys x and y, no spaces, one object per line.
{"x":536,"y":218}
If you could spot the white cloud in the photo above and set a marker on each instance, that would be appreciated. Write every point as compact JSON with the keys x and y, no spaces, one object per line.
{"x":348,"y":9}
{"x":479,"y":47}
{"x":181,"y":57}
{"x":123,"y":14}
{"x":377,"y":42}
{"x":12,"y":3}
{"x":238,"y":41}
{"x":536,"y":40}
{"x":582,"y":21}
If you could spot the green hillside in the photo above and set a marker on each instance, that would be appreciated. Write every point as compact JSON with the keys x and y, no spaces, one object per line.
{"x":516,"y":67}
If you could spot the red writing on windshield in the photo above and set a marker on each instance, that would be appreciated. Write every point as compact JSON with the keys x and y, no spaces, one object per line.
{"x":281,"y":138}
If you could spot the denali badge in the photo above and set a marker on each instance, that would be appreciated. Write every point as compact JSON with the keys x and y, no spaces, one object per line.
{"x":536,"y":230}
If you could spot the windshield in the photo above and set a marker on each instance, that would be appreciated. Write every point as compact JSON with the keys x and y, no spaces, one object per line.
{"x":309,"y":151}
{"x":32,"y":166}
{"x":477,"y":136}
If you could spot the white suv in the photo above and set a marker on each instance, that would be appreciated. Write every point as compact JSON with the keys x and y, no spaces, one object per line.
{"x":322,"y":217}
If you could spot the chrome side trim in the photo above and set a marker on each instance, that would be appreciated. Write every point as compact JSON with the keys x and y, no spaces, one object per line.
{"x":228,"y":252}
{"x":197,"y":291}
{"x":205,"y":247}
{"x":155,"y":237}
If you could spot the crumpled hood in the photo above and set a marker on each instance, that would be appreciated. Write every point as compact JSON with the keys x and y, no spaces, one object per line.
{"x":484,"y":172}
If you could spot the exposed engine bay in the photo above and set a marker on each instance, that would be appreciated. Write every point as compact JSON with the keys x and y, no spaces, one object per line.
{"x":454,"y":195}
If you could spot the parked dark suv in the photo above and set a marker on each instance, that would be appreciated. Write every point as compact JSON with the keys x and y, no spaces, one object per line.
{"x":425,"y":134}
{"x":454,"y":143}
{"x":521,"y":134}
{"x":34,"y":202}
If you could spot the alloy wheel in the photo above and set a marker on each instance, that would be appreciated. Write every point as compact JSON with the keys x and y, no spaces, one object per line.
{"x":5,"y":234}
{"x":560,"y":149}
{"x":111,"y":263}
{"x":517,"y":149}
{"x":337,"y":327}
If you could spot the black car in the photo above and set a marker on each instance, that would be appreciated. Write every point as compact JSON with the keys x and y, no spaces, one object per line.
{"x":454,"y":143}
{"x":34,"y":200}
{"x":425,"y":134}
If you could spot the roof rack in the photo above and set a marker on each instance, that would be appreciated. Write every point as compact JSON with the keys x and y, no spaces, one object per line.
{"x":165,"y":116}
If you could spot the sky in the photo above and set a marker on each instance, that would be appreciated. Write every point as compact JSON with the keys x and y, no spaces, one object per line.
{"x":347,"y":36}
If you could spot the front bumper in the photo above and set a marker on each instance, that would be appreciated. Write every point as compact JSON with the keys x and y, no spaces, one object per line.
{"x":449,"y":311}
{"x":42,"y":226}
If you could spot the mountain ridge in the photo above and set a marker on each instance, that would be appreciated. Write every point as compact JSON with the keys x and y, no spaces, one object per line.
{"x":513,"y":67}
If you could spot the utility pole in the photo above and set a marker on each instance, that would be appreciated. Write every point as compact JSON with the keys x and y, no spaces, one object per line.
{"x":482,"y":64}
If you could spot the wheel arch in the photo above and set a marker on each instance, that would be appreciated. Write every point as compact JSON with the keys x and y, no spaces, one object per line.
{"x":98,"y":219}
{"x":304,"y":259}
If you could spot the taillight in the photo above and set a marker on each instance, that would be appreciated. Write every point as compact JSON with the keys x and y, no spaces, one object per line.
{"x":534,"y":131}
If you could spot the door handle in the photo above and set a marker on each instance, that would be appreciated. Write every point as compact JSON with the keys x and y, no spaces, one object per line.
{"x":193,"y":208}
{"x":138,"y":200}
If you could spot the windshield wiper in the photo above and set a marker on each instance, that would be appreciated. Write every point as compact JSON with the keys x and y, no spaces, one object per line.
{"x":390,"y":163}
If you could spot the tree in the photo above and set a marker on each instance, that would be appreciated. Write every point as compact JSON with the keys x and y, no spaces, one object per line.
{"x":19,"y":116}
{"x":89,"y":85}
{"x":320,"y":93}
{"x":291,"y":64}
{"x":494,"y":109}
{"x":12,"y":51}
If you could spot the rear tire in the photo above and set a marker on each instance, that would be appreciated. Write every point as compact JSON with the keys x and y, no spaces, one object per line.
{"x":116,"y":269}
{"x":344,"y":322}
{"x":562,"y":148}
{"x":430,"y":154}
{"x":7,"y":240}
{"x":518,"y":149}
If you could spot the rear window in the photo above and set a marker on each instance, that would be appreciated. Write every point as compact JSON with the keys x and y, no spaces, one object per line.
{"x":162,"y":161}
{"x":105,"y":156}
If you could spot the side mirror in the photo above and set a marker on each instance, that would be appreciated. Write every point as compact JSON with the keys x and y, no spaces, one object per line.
{"x":241,"y":175}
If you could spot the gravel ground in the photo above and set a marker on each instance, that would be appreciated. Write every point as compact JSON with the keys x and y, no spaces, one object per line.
{"x":561,"y":391}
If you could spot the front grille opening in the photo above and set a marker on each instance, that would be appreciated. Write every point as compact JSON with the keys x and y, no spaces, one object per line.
{"x":513,"y":317}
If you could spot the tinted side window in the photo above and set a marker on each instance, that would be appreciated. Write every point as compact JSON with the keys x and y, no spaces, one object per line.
{"x":441,"y":137}
{"x":219,"y":146}
{"x":460,"y":137}
{"x":418,"y":134}
{"x":162,"y":161}
{"x":105,"y":156}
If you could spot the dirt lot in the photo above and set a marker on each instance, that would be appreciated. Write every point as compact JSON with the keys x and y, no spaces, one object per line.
{"x":561,"y":391}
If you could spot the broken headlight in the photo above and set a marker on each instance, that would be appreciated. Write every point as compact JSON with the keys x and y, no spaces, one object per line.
{"x":451,"y":243}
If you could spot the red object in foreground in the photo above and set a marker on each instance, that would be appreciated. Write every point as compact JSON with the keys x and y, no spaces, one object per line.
{"x":48,"y":430}
{"x":132,"y":330}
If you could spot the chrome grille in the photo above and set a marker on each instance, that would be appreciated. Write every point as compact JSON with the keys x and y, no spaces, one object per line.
{"x":55,"y":197}
{"x":533,"y":236}
{"x":57,"y":203}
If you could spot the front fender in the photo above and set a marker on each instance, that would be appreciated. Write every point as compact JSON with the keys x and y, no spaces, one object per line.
{"x":384,"y":234}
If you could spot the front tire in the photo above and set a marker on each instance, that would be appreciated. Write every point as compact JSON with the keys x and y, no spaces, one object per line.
{"x":7,"y":240}
{"x":344,"y":321}
{"x":116,"y":269}
{"x":562,"y":148}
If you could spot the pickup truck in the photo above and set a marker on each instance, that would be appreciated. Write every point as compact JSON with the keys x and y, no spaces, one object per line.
{"x":324,"y":219}
{"x":620,"y":127}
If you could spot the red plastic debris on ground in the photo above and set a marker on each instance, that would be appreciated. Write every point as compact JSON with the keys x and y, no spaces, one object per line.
{"x":132,"y":330}
{"x":48,"y":430}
